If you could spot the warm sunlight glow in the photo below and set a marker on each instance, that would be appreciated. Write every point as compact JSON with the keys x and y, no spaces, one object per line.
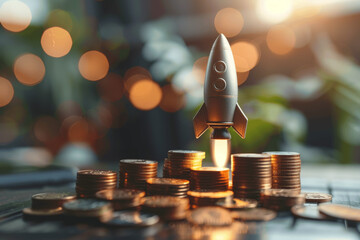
{"x":246,"y":56}
{"x":145,"y":94}
{"x":6,"y":92}
{"x":56,"y":42}
{"x":220,"y":151}
{"x":15,"y":16}
{"x":229,"y":22}
{"x":281,"y":39}
{"x":93,"y":65}
{"x":274,"y":11}
{"x":29,"y":69}
{"x":199,"y":69}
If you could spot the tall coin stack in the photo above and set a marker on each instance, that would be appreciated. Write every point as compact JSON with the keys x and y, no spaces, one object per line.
{"x":286,"y":167}
{"x":167,"y":187}
{"x":210,"y":178}
{"x":133,"y":173}
{"x":180,"y":163}
{"x":251,"y":173}
{"x":89,"y":182}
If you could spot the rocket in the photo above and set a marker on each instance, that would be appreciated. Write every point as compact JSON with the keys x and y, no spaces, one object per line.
{"x":220,"y":109}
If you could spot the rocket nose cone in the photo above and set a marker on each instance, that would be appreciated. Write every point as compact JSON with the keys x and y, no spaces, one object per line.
{"x":221,"y":42}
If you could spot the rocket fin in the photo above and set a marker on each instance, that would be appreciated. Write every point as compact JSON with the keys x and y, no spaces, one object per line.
{"x":240,"y":121}
{"x":199,"y":121}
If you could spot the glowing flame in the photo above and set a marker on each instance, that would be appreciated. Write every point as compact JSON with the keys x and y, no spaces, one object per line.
{"x":220,"y":151}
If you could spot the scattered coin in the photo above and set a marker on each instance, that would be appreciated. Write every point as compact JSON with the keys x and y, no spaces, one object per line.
{"x":42,"y":213}
{"x":122,"y":199}
{"x":50,"y":200}
{"x":281,"y":199}
{"x":308,"y":212}
{"x":340,"y":212}
{"x":237,"y":204}
{"x":88,"y":208}
{"x":201,"y":198}
{"x":167,"y":207}
{"x":254,"y":214}
{"x":210,"y":216}
{"x":318,"y":197}
{"x":132,"y":219}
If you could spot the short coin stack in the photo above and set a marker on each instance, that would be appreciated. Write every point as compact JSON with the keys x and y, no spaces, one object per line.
{"x":122,"y":199}
{"x":281,"y":199}
{"x":91,"y":181}
{"x":286,"y":168}
{"x":251,"y":173}
{"x":133,"y":173}
{"x":200,"y":198}
{"x":88,"y":210}
{"x":168,"y":208}
{"x":180,"y":162}
{"x":167,"y":187}
{"x":210,"y":178}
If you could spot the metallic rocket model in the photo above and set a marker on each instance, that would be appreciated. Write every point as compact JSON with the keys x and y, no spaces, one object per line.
{"x":220,"y":110}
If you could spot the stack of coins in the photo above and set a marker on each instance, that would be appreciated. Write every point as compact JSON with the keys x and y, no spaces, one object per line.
{"x":88,"y":210}
{"x":133,"y":173}
{"x":251,"y":173}
{"x":200,"y":198}
{"x":180,"y":162}
{"x":167,"y":187}
{"x":122,"y":199}
{"x":210,"y":178}
{"x":168,"y":208}
{"x":286,"y":168}
{"x":47,"y":205}
{"x":91,"y":181}
{"x":281,"y":199}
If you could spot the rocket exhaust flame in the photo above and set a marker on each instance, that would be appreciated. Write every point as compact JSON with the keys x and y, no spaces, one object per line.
{"x":220,"y":151}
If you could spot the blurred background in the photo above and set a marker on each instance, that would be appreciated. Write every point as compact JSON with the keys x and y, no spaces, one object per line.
{"x":97,"y":81}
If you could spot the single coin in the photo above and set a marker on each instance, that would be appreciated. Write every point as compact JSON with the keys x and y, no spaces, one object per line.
{"x":254,"y":214}
{"x":42,"y":212}
{"x":308,"y":212}
{"x":210,"y":216}
{"x":340,"y":211}
{"x":132,"y":218}
{"x":120,"y":194}
{"x":317,"y":197}
{"x":236,"y":203}
{"x":50,"y":200}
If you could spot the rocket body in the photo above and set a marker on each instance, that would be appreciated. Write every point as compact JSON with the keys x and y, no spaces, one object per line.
{"x":220,"y":108}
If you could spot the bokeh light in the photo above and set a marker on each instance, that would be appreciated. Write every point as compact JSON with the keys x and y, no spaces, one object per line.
{"x":280,"y":39}
{"x":199,"y":69}
{"x":229,"y":22}
{"x":246,"y":56}
{"x":274,"y":11}
{"x":46,"y":128}
{"x":135,"y":74}
{"x":242,"y":77}
{"x":145,"y":94}
{"x":6,"y":92}
{"x":56,"y":42}
{"x":93,"y":65}
{"x":29,"y":69}
{"x":111,"y":88}
{"x":15,"y":15}
{"x":9,"y":130}
{"x":172,"y":99}
{"x":79,"y":131}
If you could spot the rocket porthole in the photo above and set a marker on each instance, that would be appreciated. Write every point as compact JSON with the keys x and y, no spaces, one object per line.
{"x":219,"y":84}
{"x":220,"y":66}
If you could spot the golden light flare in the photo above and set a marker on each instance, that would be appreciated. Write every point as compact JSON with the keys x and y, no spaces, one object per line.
{"x":6,"y":92}
{"x":172,"y":99}
{"x":93,"y":65}
{"x":281,"y":39}
{"x":145,"y":94}
{"x":246,"y":55}
{"x":220,"y":151}
{"x":199,"y":69}
{"x":29,"y":69}
{"x":135,"y":74}
{"x":56,"y":42}
{"x":15,"y":16}
{"x":111,"y":88}
{"x":274,"y":11}
{"x":229,"y":22}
